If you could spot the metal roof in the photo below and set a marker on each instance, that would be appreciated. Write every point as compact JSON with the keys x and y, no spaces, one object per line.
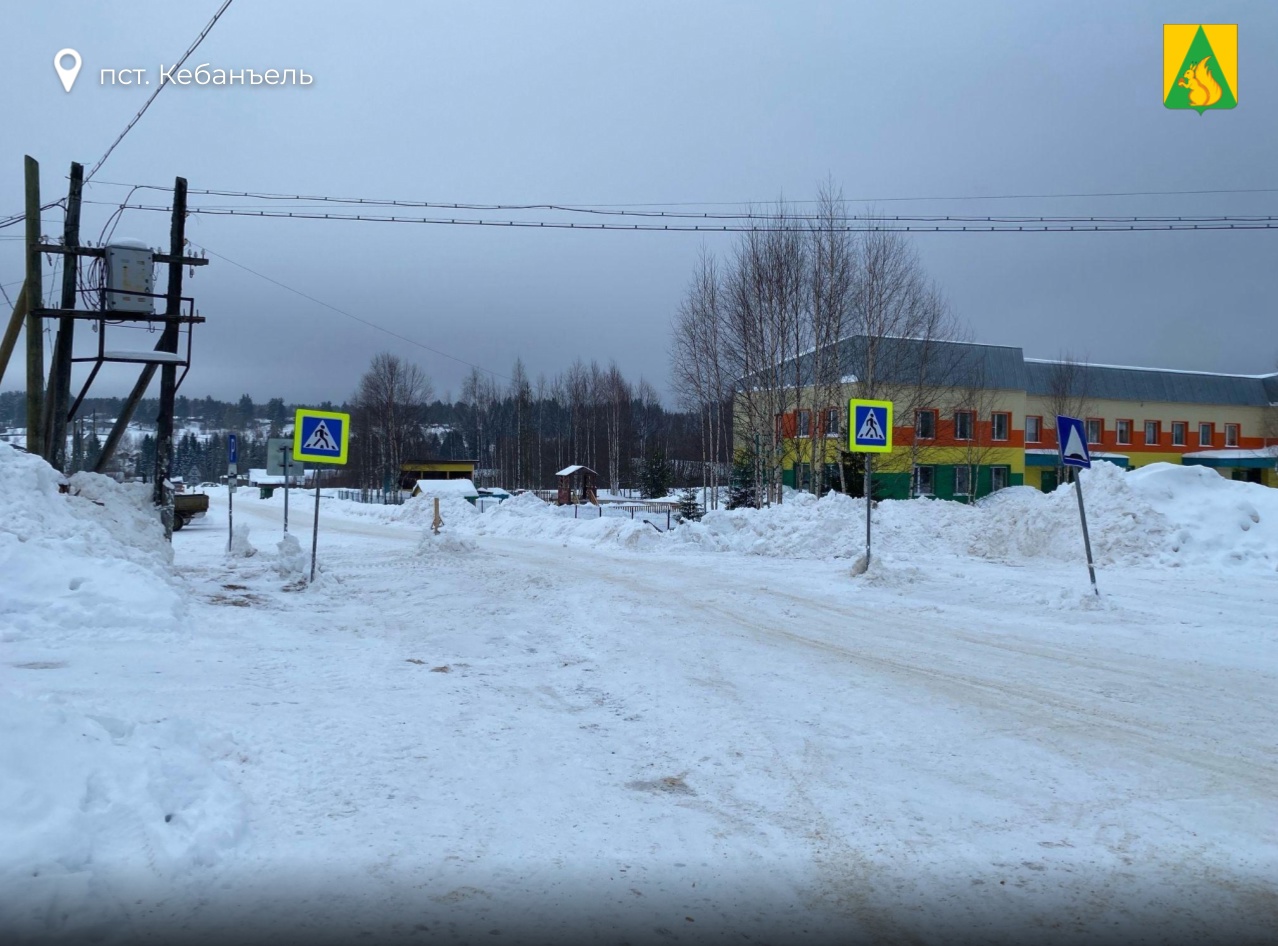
{"x":1117,"y":383}
{"x":926,"y":361}
{"x":1005,"y":367}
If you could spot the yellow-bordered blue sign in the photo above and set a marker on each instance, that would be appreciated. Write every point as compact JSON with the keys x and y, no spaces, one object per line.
{"x":869,"y":426}
{"x":321,"y":436}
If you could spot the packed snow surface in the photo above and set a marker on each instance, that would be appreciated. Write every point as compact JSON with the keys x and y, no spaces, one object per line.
{"x":534,"y":727}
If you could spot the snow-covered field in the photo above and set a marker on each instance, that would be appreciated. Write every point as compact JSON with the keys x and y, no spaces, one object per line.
{"x":533,"y":728}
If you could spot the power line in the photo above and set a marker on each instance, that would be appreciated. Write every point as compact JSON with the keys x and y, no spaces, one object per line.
{"x":777,"y":220}
{"x":142,"y":111}
{"x":577,"y":205}
{"x":859,"y":224}
{"x":350,"y":315}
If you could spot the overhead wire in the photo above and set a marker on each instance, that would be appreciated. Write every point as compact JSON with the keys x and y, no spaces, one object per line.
{"x":901,"y":224}
{"x":147,"y":104}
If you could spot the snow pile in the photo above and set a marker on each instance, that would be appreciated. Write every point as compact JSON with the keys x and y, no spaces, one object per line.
{"x":1162,"y":514}
{"x":526,"y":516}
{"x":290,"y":560}
{"x":241,"y":547}
{"x":92,"y":562}
{"x":443,"y":546}
{"x":93,"y":808}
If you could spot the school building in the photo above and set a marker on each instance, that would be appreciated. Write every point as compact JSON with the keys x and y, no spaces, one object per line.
{"x":971,"y":419}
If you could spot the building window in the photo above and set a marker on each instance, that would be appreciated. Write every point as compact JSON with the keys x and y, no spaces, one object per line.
{"x":924,"y":480}
{"x":962,"y":481}
{"x":1123,"y":431}
{"x":1033,"y":429}
{"x":963,"y":425}
{"x":1205,"y":432}
{"x":780,"y":427}
{"x":831,"y":422}
{"x":1152,"y":433}
{"x":1231,"y":435}
{"x":998,"y":478}
{"x":999,"y":425}
{"x":925,"y":425}
{"x":1180,"y":433}
{"x":805,"y":423}
{"x":1095,"y":428}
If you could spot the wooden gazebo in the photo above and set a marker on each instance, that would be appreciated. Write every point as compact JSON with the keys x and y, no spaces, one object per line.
{"x":587,"y":492}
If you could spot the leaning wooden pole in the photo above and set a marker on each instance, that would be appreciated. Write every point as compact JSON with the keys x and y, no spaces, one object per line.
{"x":10,"y":340}
{"x":35,"y":302}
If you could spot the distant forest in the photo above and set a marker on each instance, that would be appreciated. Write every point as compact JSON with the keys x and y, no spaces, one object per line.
{"x":519,"y":433}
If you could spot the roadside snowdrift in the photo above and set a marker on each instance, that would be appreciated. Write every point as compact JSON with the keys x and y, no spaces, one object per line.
{"x":1161,"y":514}
{"x":91,"y":805}
{"x":89,"y":563}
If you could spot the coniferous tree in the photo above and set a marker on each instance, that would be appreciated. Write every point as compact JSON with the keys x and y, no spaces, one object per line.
{"x":689,"y":508}
{"x":741,"y":489}
{"x":656,"y":474}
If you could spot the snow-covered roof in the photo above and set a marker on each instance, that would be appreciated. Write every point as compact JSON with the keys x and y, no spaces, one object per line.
{"x":458,"y":487}
{"x":154,"y":357}
{"x":1236,"y":454}
{"x":570,"y":470}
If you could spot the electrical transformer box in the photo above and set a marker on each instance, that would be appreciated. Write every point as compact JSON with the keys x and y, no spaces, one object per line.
{"x":130,"y":272}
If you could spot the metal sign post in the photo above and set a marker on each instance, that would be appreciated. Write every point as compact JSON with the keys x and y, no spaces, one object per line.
{"x":869,"y":432}
{"x":315,"y":530}
{"x":1071,"y":441}
{"x":232,"y":465}
{"x":287,"y":454}
{"x":320,"y":437}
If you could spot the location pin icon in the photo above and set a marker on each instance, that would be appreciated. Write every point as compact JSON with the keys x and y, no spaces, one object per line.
{"x":67,"y":75}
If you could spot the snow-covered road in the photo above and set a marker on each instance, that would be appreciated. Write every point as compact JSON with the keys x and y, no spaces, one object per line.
{"x":553,"y":741}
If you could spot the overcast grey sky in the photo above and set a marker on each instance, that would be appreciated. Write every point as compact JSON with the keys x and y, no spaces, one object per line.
{"x":702,"y":101}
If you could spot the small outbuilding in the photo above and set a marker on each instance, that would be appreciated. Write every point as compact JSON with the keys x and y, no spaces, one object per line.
{"x":586,"y":490}
{"x":464,"y":489}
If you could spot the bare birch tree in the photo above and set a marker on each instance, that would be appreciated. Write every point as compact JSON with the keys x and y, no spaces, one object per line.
{"x":388,"y":405}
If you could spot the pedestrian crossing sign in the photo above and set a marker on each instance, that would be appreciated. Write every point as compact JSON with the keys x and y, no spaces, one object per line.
{"x":870,"y":426}
{"x":320,"y":436}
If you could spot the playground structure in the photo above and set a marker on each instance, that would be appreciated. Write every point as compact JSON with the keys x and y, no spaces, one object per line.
{"x":587,"y":492}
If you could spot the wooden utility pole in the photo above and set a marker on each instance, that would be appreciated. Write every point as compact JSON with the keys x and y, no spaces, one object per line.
{"x":163,"y":494}
{"x":35,"y":302}
{"x":60,"y":374}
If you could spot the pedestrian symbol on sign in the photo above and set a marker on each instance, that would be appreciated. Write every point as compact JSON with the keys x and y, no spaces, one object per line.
{"x":870,"y":429}
{"x":320,"y":439}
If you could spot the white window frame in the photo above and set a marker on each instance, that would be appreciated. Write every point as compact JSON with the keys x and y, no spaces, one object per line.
{"x":798,"y":424}
{"x":1038,"y":428}
{"x":918,"y":480}
{"x":1184,"y":433}
{"x":1007,"y":426}
{"x":997,"y":471}
{"x":1100,"y":429}
{"x":1118,"y":431}
{"x":1158,"y":432}
{"x":1236,"y":431}
{"x":831,"y":422}
{"x":963,"y":468}
{"x":971,"y":424}
{"x":1211,"y":428}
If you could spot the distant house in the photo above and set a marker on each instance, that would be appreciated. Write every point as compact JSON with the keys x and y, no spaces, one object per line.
{"x":418,"y":470}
